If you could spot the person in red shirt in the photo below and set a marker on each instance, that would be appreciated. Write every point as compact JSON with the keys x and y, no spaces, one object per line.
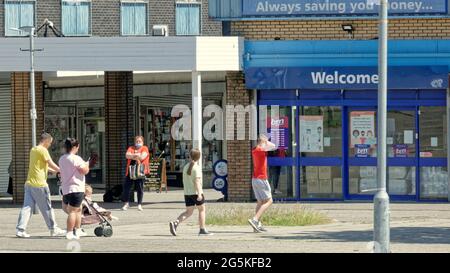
{"x":138,"y":153}
{"x":260,"y":183}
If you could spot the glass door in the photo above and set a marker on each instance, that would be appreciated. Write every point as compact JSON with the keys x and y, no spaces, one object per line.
{"x":401,"y":151}
{"x":320,"y":133}
{"x":279,"y":123}
{"x":433,"y":152}
{"x":401,"y":148}
{"x":362,"y":152}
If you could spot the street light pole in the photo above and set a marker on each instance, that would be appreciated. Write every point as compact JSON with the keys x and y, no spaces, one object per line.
{"x":33,"y":112}
{"x":32,"y":90}
{"x":381,"y":232}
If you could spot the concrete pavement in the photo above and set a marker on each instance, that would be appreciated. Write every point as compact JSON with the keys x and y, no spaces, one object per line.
{"x":415,"y":228}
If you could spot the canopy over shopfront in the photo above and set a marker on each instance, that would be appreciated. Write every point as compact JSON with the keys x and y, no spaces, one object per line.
{"x":144,"y":54}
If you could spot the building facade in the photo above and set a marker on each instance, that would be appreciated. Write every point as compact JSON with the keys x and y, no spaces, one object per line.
{"x":303,"y":59}
{"x":103,"y":109}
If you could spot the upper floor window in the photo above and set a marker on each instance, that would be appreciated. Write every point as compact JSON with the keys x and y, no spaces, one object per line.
{"x":18,"y":14}
{"x":188,"y":18}
{"x":133,"y":17}
{"x":76,"y":17}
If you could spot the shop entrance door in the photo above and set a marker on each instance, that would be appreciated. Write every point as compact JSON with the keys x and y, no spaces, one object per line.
{"x":92,"y":139}
{"x":280,"y":122}
{"x":401,"y":147}
{"x":320,"y":161}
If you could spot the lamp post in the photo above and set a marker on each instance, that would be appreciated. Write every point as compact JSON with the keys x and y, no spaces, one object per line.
{"x":381,"y":231}
{"x":33,"y":113}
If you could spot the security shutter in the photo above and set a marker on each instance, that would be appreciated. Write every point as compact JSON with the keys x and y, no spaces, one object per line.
{"x":5,"y":135}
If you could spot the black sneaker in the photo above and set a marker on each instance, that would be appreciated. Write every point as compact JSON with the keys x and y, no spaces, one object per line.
{"x":204,"y":232}
{"x":254,"y":225}
{"x":173,"y":228}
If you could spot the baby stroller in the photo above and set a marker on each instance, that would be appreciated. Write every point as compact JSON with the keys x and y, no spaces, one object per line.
{"x":92,"y":216}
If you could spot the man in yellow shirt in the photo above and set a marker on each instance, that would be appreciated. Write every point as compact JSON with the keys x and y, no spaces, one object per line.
{"x":37,"y":191}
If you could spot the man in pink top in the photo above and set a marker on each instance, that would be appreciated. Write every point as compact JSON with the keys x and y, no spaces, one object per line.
{"x":73,"y":169}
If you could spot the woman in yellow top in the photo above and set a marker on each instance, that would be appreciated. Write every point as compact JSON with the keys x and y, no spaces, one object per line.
{"x":193,"y":194}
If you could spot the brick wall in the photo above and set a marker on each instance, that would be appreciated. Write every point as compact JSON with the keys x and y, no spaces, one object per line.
{"x":21,"y":127}
{"x":106,"y":16}
{"x":238,"y":151}
{"x":162,"y":12}
{"x":119,"y":124}
{"x":331,"y":29}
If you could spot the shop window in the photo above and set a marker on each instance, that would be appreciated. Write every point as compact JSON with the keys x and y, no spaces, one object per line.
{"x":433,"y":132}
{"x":282,"y":180}
{"x":363,"y":180}
{"x":321,"y":131}
{"x":133,"y":17}
{"x":60,"y":122}
{"x":321,"y":182}
{"x":401,"y":129}
{"x":19,"y":14}
{"x":188,"y":18}
{"x":278,"y":123}
{"x":76,"y":17}
{"x":433,"y":183}
{"x":401,"y":180}
{"x":156,"y":124}
{"x":362,"y":134}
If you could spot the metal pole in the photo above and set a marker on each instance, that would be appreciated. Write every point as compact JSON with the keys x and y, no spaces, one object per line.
{"x":381,"y":200}
{"x":32,"y":90}
{"x":197,"y":117}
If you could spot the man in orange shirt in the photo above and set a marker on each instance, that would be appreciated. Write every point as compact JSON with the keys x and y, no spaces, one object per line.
{"x":260,"y":184}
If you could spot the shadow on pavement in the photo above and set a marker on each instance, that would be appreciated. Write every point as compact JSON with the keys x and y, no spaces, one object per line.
{"x":407,"y":235}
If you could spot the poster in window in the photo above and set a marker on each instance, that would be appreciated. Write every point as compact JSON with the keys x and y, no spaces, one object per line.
{"x":400,"y":150}
{"x":362,"y":128}
{"x":311,"y":134}
{"x":278,"y":129}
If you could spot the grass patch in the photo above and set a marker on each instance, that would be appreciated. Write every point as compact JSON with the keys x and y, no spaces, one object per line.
{"x":275,"y":216}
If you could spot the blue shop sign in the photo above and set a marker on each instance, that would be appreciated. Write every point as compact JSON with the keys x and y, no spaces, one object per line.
{"x":399,"y":77}
{"x":339,"y":7}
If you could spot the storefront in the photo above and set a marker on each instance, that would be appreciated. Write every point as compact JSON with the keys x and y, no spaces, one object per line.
{"x":79,"y":112}
{"x":155,"y":121}
{"x":326,"y":128}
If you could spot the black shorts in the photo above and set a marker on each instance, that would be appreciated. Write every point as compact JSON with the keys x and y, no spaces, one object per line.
{"x":191,"y":200}
{"x":73,"y":199}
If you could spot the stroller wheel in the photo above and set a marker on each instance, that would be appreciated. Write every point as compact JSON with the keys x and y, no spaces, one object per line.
{"x":98,"y":231}
{"x":107,"y":231}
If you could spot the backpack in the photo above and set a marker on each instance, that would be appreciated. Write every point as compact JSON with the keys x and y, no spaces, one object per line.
{"x":113,"y":194}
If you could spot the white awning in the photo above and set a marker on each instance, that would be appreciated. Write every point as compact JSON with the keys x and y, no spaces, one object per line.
{"x":124,"y":54}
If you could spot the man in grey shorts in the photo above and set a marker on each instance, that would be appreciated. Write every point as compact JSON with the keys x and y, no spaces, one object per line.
{"x":260,"y":184}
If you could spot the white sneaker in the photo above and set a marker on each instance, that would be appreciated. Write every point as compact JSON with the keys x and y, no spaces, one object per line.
{"x":140,"y":208}
{"x":72,"y":236}
{"x":80,"y":233}
{"x":22,"y":234}
{"x":125,"y":207}
{"x":57,"y":232}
